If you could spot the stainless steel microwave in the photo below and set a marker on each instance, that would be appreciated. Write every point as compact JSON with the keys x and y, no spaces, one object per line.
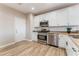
{"x":44,"y":24}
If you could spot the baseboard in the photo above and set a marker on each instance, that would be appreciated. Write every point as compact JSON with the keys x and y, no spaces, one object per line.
{"x":3,"y":46}
{"x":10,"y":44}
{"x":29,"y":40}
{"x":7,"y":45}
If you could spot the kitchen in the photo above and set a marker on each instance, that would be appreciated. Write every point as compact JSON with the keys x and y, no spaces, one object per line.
{"x":59,"y":29}
{"x":50,"y":29}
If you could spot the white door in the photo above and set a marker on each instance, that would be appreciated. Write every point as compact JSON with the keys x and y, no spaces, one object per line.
{"x":20,"y":29}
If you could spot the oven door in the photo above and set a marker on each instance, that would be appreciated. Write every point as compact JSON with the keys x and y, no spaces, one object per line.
{"x":42,"y":37}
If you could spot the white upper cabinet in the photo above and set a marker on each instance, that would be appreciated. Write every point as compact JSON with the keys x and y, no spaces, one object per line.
{"x":42,"y":17}
{"x":36,"y":21}
{"x":51,"y":17}
{"x":56,"y":18}
{"x":61,"y":17}
{"x":74,"y":15}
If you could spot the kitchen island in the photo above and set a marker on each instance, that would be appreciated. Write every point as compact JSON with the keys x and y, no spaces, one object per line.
{"x":70,"y":42}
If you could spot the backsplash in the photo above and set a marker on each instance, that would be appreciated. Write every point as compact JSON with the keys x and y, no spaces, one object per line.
{"x":59,"y":28}
{"x":64,"y":29}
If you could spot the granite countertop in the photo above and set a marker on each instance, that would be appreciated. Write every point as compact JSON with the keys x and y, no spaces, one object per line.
{"x":64,"y":32}
{"x":76,"y":42}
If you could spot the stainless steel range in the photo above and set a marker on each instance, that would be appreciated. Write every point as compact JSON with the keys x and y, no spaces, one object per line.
{"x":42,"y":34}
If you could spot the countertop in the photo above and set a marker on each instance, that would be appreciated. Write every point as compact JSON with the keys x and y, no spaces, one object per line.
{"x":60,"y":32}
{"x":74,"y":40}
{"x":64,"y":33}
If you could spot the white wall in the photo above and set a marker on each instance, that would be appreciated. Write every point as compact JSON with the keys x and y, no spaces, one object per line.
{"x":7,"y":24}
{"x":29,"y":24}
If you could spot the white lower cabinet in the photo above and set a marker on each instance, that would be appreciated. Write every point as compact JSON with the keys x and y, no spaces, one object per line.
{"x":71,"y":49}
{"x":34,"y":36}
{"x":68,"y":49}
{"x":74,"y":49}
{"x":62,"y":42}
{"x":67,"y":43}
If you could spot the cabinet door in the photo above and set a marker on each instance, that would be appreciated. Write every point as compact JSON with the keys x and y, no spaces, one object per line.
{"x":71,"y":48}
{"x":74,"y":15}
{"x":74,"y":48}
{"x":36,"y":21}
{"x":34,"y":36}
{"x":62,"y":41}
{"x":42,"y":17}
{"x":68,"y":46}
{"x":61,"y":17}
{"x":68,"y":49}
{"x":52,"y":18}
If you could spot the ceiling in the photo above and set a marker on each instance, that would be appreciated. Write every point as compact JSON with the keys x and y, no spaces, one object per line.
{"x":36,"y":8}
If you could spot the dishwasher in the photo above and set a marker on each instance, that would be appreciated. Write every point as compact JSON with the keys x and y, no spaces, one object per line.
{"x":52,"y":39}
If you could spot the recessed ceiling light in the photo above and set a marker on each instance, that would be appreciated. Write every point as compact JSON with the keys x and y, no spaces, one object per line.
{"x":33,"y":8}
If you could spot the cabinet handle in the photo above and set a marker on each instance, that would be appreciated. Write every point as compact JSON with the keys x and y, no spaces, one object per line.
{"x":67,"y":43}
{"x":74,"y":49}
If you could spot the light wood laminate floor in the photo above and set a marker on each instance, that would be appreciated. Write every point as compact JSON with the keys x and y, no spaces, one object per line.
{"x":26,"y":48}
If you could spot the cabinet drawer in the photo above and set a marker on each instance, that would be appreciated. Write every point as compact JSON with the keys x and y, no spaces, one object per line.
{"x":70,"y":51}
{"x":74,"y":48}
